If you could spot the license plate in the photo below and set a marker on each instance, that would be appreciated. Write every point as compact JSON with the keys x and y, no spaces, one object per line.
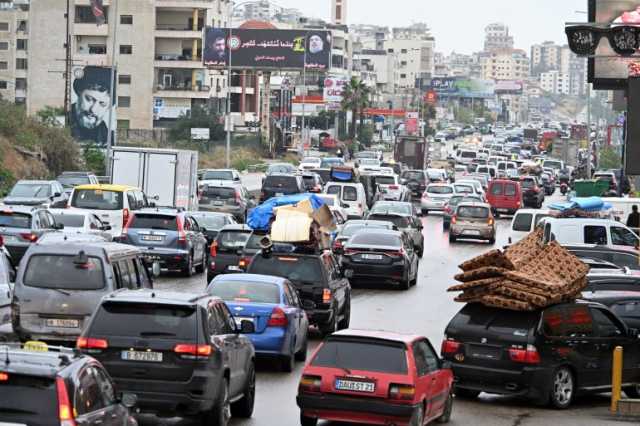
{"x":142,"y":356}
{"x":152,"y":238}
{"x":279,"y":194}
{"x":372,"y":256}
{"x":471,"y":232}
{"x":350,"y":385}
{"x":234,"y":268}
{"x":62,"y":323}
{"x":150,"y":258}
{"x":503,"y":210}
{"x":218,"y":203}
{"x":9,"y":238}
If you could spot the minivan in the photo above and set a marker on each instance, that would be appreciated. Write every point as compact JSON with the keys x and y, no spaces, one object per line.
{"x":353,"y":195}
{"x":55,"y":306}
{"x":602,"y":232}
{"x":524,"y":222}
{"x":505,"y":196}
{"x":466,"y":156}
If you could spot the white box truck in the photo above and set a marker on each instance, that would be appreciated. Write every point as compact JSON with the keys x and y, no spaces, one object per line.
{"x":169,"y":174}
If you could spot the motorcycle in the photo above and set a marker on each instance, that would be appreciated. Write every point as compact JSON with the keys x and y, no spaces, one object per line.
{"x":564,"y":188}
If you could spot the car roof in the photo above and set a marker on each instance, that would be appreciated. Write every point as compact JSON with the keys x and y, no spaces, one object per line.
{"x":367,"y":222}
{"x":473,"y":204}
{"x":597,"y":247}
{"x":379,"y":335}
{"x":236,"y":227}
{"x":217,"y":170}
{"x":157,"y":297}
{"x":89,"y":246}
{"x":382,"y":231}
{"x":67,"y":212}
{"x":20,"y":209}
{"x":159,"y":211}
{"x":37,"y":363}
{"x":76,"y":174}
{"x":106,"y":187}
{"x":220,"y":183}
{"x":267,"y":279}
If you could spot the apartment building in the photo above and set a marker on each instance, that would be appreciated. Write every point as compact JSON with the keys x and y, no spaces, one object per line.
{"x":505,"y":64}
{"x":497,"y":37}
{"x":156,"y":46}
{"x":555,"y":82}
{"x":14,"y":42}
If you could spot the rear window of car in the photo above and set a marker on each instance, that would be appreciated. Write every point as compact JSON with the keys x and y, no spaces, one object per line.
{"x":440,"y":190}
{"x":294,"y":268}
{"x":217,"y":175}
{"x":69,"y":274}
{"x":280,"y":182}
{"x":145,"y":320}
{"x":31,"y":190}
{"x":97,"y":199}
{"x":71,"y":181}
{"x":497,"y":189}
{"x":464,"y":188}
{"x":522,"y":222}
{"x":419,"y":176}
{"x":29,"y":397}
{"x":468,"y":154}
{"x":385,"y":180}
{"x":218,"y":192}
{"x":501,"y":321}
{"x":398,"y":221}
{"x":473,"y":212}
{"x":246,"y":292}
{"x":373,"y":239}
{"x":390,"y":357}
{"x":210,"y":222}
{"x":154,"y":221}
{"x":70,"y":220}
{"x":349,"y":193}
{"x":510,"y":190}
{"x":233,"y":239}
{"x":15,"y":220}
{"x":527,"y":183}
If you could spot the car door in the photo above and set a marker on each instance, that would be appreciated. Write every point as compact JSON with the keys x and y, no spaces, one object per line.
{"x":234,"y":345}
{"x":337,"y":283}
{"x":292,"y":311}
{"x":196,"y":238}
{"x":430,"y":383}
{"x":410,"y":249}
{"x":623,"y":237}
{"x":89,"y":401}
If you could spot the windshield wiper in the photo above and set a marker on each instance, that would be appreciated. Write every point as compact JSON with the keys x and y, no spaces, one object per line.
{"x":156,"y":333}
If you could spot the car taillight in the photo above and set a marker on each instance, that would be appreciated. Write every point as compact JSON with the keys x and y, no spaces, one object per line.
{"x":4,"y":377}
{"x":244,"y":262}
{"x":450,"y":346}
{"x":536,"y":189}
{"x":91,"y":343}
{"x":403,"y":392}
{"x":454,"y":219}
{"x":310,"y":384}
{"x":326,"y":296}
{"x":32,"y":238}
{"x":349,"y":252}
{"x":65,"y":412}
{"x":213,"y":250}
{"x":529,"y":355}
{"x":182,"y":236}
{"x":394,"y":187}
{"x":397,"y":253}
{"x":125,"y":217}
{"x":190,"y":351}
{"x":425,"y":196}
{"x":278,"y":318}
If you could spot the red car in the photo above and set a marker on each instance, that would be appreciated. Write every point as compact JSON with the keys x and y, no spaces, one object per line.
{"x":505,"y":196}
{"x":375,"y":377}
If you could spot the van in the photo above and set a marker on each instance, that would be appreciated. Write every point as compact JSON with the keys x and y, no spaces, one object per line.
{"x":466,"y":156}
{"x":351,"y":194}
{"x":602,"y":232}
{"x":112,"y":204}
{"x":524,"y":222}
{"x":505,"y":196}
{"x":622,"y":207}
{"x":55,"y":306}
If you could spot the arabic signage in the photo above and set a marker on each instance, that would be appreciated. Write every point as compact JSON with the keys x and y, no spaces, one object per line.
{"x":334,"y":89}
{"x":267,"y":49}
{"x":463,"y":87}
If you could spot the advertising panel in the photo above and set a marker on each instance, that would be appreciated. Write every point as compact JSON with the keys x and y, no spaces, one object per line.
{"x":443,"y":84}
{"x":509,"y":87}
{"x":91,"y":104}
{"x":334,"y":89}
{"x":463,"y":87}
{"x":267,"y":48}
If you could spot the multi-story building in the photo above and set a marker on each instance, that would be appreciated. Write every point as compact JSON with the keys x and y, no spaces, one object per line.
{"x":13,"y":50}
{"x":156,"y":46}
{"x":497,"y":37}
{"x":547,"y":56}
{"x":370,"y":37}
{"x":339,"y":12}
{"x":412,"y":60}
{"x":505,"y":64}
{"x":555,"y":82}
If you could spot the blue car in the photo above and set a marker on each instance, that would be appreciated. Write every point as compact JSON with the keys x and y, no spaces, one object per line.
{"x":281,"y":324}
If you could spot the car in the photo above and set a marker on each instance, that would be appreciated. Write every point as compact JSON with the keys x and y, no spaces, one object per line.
{"x":281,"y":169}
{"x":367,"y":154}
{"x":476,"y":185}
{"x":182,"y":354}
{"x":278,"y":185}
{"x":525,"y":353}
{"x":329,"y":162}
{"x":170,"y":237}
{"x":312,"y":182}
{"x":438,"y":176}
{"x":81,"y":222}
{"x":524,"y":222}
{"x":389,"y":188}
{"x":504,"y":196}
{"x":208,"y":176}
{"x":473,"y":221}
{"x":435,"y":197}
{"x":56,"y":306}
{"x":620,"y":256}
{"x":317,"y":279}
{"x":491,"y":170}
{"x":556,"y":165}
{"x":375,"y":377}
{"x":324,"y":173}
{"x":70,"y":180}
{"x":226,"y":197}
{"x":273,"y":306}
{"x":381,"y":255}
{"x":452,"y":204}
{"x":309,"y":163}
{"x":7,"y":277}
{"x":416,"y":181}
{"x":225,"y":252}
{"x":351,"y":194}
{"x":465,"y":156}
{"x":385,"y":207}
{"x":212,"y":222}
{"x":369,"y":162}
{"x":404,"y":221}
{"x":22,"y":226}
{"x":52,"y":385}
{"x":602,"y":232}
{"x":46,"y":193}
{"x":351,"y":227}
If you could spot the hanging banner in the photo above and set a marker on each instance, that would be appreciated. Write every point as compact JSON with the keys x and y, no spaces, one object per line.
{"x":98,"y":11}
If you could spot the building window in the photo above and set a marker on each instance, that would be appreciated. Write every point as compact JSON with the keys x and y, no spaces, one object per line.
{"x":126,"y":19}
{"x":126,"y":49}
{"x":4,"y":26}
{"x":4,"y":65}
{"x":22,"y":44}
{"x":3,"y":84}
{"x":21,"y":64}
{"x":97,"y":49}
{"x":124,"y":79}
{"x":21,"y":84}
{"x":4,"y":45}
{"x":389,"y":50}
{"x":22,"y":26}
{"x":123,"y":124}
{"x":124,"y":101}
{"x":84,"y":15}
{"x":403,"y":76}
{"x":403,"y":51}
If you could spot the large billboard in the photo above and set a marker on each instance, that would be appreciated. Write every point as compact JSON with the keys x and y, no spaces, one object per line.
{"x":609,"y":70}
{"x":333,"y":90}
{"x":267,"y":48}
{"x":463,"y":87}
{"x":91,"y":103}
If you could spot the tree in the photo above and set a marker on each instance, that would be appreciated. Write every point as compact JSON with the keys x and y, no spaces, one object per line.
{"x":199,"y":117}
{"x":49,"y":116}
{"x":355,"y":99}
{"x":609,"y":158}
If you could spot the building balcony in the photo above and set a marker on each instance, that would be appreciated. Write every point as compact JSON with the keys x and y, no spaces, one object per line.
{"x":178,"y":34}
{"x":91,"y":30}
{"x":183,"y":92}
{"x":21,"y":73}
{"x":88,"y":59}
{"x":165,"y":61}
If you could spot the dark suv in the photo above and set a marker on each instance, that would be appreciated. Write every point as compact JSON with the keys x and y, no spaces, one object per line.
{"x":51,"y":386}
{"x":168,"y":236}
{"x":182,"y":354}
{"x":21,"y":226}
{"x":317,"y":278}
{"x":226,"y":197}
{"x":548,"y":356}
{"x":278,"y":184}
{"x":532,"y":191}
{"x":226,"y":251}
{"x":416,"y":181}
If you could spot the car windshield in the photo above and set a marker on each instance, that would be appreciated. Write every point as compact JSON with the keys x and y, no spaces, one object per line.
{"x":527,"y":183}
{"x":218,"y":175}
{"x":210,"y":222}
{"x":233,"y":240}
{"x":97,"y":199}
{"x":154,"y":221}
{"x":15,"y":220}
{"x":71,"y":272}
{"x":473,"y":212}
{"x":522,"y":222}
{"x":390,"y":357}
{"x":33,"y":397}
{"x":70,"y":220}
{"x":468,"y":154}
{"x":71,"y":181}
{"x":294,"y":268}
{"x":243,"y":291}
{"x":350,"y":230}
{"x":310,"y":160}
{"x":464,"y":188}
{"x":418,"y":176}
{"x":280,"y":182}
{"x":440,"y":190}
{"x":331,"y":162}
{"x":31,"y":190}
{"x":398,"y":221}
{"x":369,"y":162}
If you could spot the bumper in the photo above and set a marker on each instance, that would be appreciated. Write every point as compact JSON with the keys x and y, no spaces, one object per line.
{"x":320,"y":316}
{"x":170,"y":259}
{"x":394,"y":271}
{"x":272,"y":341}
{"x":461,"y":231}
{"x":33,"y":327}
{"x":432,"y":205}
{"x":336,"y":407}
{"x":531,"y":199}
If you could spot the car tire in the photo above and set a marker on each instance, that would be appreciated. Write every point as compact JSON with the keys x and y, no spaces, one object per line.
{"x":203,"y":265}
{"x":492,"y":240}
{"x":288,"y":362}
{"x":220,"y":413}
{"x":446,"y":413}
{"x":417,"y":418}
{"x":445,"y":226}
{"x":346,"y":316}
{"x":562,"y":388}
{"x":632,"y":391}
{"x":307,"y":421}
{"x":425,"y":212}
{"x":301,"y":355}
{"x":188,"y":270}
{"x":330,"y":328}
{"x":466,"y":393}
{"x":243,"y":408}
{"x":405,"y":284}
{"x":452,"y":239}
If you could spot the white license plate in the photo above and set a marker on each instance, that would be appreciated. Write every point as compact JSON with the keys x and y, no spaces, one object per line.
{"x":152,"y":238}
{"x":9,"y":239}
{"x":503,"y":210}
{"x":142,"y":356}
{"x":471,"y":232}
{"x":62,"y":323}
{"x":372,"y":256}
{"x":218,"y":203}
{"x":349,"y":385}
{"x":279,"y":194}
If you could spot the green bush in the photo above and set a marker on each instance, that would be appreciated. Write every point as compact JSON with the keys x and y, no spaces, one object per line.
{"x":609,"y":158}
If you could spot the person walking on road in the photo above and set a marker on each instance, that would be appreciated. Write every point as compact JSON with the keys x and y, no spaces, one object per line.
{"x":633,"y":221}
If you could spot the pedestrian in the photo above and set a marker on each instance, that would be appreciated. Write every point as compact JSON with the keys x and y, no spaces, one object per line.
{"x":633,"y":221}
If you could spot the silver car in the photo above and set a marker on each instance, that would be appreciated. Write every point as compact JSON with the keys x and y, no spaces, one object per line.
{"x":473,"y":221}
{"x":436,"y":196}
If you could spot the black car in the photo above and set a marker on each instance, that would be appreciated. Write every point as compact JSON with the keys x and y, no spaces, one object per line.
{"x":52,"y":386}
{"x":381,"y":255}
{"x":47,"y":193}
{"x":212,"y":222}
{"x":625,"y":304}
{"x":352,"y":227}
{"x":409,"y":224}
{"x":623,"y":257}
{"x":278,"y":184}
{"x":532,"y":191}
{"x":317,"y":279}
{"x":549,"y":355}
{"x":416,"y":181}
{"x":312,"y":182}
{"x":325,"y":174}
{"x":226,"y":251}
{"x":182,"y":354}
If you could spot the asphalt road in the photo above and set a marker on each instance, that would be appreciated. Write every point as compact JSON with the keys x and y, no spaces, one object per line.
{"x":425,"y":309}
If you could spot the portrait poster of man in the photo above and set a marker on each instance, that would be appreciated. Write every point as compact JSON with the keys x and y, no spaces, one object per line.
{"x":318,"y":50}
{"x":90,"y":105}
{"x":215,"y":52}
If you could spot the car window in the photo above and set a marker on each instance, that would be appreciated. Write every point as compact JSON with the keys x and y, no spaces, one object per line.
{"x":33,"y":397}
{"x":522,"y":222}
{"x":70,"y":220}
{"x":281,"y":182}
{"x":133,"y":203}
{"x":143,"y":278}
{"x":334,"y":190}
{"x":472,"y":212}
{"x":245,"y":291}
{"x":568,"y":321}
{"x":106,"y":386}
{"x":97,"y":199}
{"x":623,"y":237}
{"x":347,"y":354}
{"x":349,"y":193}
{"x":217,"y":175}
{"x":70,"y":274}
{"x":227,"y":324}
{"x":510,"y":190}
{"x":217,"y":192}
{"x":232,"y":240}
{"x":627,"y":309}
{"x":215,"y":325}
{"x":10,"y":219}
{"x":595,"y":235}
{"x":440,"y":190}
{"x":31,"y":190}
{"x":154,"y":221}
{"x":294,"y":268}
{"x":426,"y":360}
{"x":399,"y":221}
{"x":88,"y":396}
{"x":125,"y":275}
{"x":211,"y":222}
{"x":370,"y":238}
{"x":607,"y":326}
{"x":539,"y":217}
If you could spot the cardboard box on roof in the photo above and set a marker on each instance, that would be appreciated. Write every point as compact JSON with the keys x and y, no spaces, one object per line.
{"x":294,"y":223}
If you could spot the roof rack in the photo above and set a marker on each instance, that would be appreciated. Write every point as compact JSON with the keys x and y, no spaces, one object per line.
{"x":7,"y":348}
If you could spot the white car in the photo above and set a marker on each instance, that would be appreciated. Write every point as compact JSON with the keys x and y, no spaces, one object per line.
{"x":351,"y":194}
{"x":435,"y":197}
{"x":81,"y":222}
{"x":310,"y":163}
{"x":477,"y":187}
{"x":524,"y":222}
{"x":211,"y":176}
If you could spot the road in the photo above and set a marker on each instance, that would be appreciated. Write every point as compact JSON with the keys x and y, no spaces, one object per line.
{"x":425,"y":309}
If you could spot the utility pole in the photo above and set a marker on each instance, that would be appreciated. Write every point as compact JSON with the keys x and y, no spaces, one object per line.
{"x":110,"y":135}
{"x":67,"y":72}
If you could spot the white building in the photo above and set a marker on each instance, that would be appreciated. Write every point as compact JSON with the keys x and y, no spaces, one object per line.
{"x":497,"y":36}
{"x":505,"y":64}
{"x":555,"y":82}
{"x":14,"y":17}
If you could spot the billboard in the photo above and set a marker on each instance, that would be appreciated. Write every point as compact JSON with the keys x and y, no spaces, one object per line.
{"x":509,"y":87}
{"x":463,"y":87}
{"x":91,"y":103}
{"x":609,"y":71}
{"x":267,"y":48}
{"x":334,"y":89}
{"x":443,"y":84}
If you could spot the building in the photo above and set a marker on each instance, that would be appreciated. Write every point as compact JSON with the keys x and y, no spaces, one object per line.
{"x":505,"y":64}
{"x":497,"y":37}
{"x":13,"y":50}
{"x":370,"y":37}
{"x":339,"y":12}
{"x":547,"y":56}
{"x":555,"y":82}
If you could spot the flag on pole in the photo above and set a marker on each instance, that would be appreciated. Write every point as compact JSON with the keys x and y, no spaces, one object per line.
{"x":98,"y":11}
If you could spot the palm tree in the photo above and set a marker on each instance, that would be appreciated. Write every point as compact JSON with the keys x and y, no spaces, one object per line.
{"x":355,"y":99}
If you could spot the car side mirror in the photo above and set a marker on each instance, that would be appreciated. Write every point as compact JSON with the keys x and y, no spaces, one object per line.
{"x":236,"y":179}
{"x":129,"y":400}
{"x":247,"y":327}
{"x":308,"y":305}
{"x":59,"y":226}
{"x":155,"y":197}
{"x":56,"y":195}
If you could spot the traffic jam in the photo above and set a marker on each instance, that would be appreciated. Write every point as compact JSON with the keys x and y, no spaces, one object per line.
{"x":435,"y":282}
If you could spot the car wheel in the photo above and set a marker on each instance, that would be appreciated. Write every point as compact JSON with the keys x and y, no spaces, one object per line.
{"x":288,"y":362}
{"x":189,"y":269}
{"x":220,"y":414}
{"x":446,"y":413}
{"x":632,"y":391}
{"x":445,"y":226}
{"x":203,"y":264}
{"x":329,"y":328}
{"x":307,"y":421}
{"x":244,"y":407}
{"x":466,"y":393}
{"x":562,"y":388}
{"x":417,"y":419}
{"x":405,"y":284}
{"x":425,"y":212}
{"x":492,"y":240}
{"x":452,"y":239}
{"x":346,"y":317}
{"x":301,"y":355}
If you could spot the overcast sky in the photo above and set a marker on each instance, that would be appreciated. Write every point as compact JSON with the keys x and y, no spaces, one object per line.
{"x":459,"y":24}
